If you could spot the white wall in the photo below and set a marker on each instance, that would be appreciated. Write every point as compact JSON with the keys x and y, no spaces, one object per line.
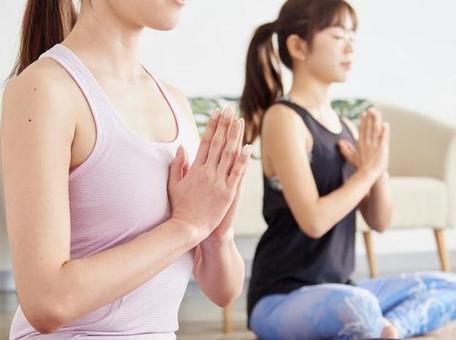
{"x":405,"y":55}
{"x":405,"y":51}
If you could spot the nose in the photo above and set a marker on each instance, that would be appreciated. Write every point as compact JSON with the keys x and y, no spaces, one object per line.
{"x":349,"y":45}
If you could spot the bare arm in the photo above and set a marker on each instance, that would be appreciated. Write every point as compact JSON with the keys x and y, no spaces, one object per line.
{"x":54,"y":290}
{"x":283,"y":137}
{"x":218,"y":266}
{"x":376,"y":207}
{"x":37,"y":132}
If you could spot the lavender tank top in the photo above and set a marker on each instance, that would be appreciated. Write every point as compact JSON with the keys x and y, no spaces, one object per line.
{"x":118,"y":193}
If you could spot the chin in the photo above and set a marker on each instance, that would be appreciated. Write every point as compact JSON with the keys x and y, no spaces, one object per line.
{"x":341,"y":79}
{"x":165,"y":24}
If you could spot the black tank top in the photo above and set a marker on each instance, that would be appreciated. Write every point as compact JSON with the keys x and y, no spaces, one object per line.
{"x":287,"y":259}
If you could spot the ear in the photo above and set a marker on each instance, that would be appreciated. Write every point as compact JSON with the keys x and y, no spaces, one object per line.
{"x":297,"y":47}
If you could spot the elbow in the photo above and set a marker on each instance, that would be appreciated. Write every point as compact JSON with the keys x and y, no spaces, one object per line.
{"x":313,"y":228}
{"x":380,"y":227}
{"x":46,"y":317}
{"x":226,"y":300}
{"x":382,"y":224}
{"x":45,"y":321}
{"x":228,"y":296}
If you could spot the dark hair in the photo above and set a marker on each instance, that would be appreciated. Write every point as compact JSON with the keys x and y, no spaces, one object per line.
{"x":263,"y":81}
{"x":45,"y":23}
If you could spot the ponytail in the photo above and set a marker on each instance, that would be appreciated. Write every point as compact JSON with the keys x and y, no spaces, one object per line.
{"x":263,"y":83}
{"x":45,"y":23}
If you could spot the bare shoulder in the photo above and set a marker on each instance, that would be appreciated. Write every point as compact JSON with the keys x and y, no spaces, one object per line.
{"x":280,"y":120}
{"x":38,"y":102}
{"x":42,"y":87}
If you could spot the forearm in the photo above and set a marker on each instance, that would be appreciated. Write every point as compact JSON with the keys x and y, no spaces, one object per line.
{"x":220,"y":270}
{"x":328,"y":210}
{"x":377,"y":210}
{"x":85,"y":284}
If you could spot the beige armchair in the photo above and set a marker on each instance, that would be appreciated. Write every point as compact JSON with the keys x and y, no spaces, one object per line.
{"x":423,"y":178}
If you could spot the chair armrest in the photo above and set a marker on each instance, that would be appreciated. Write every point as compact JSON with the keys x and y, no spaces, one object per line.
{"x":420,"y":144}
{"x":450,"y":179}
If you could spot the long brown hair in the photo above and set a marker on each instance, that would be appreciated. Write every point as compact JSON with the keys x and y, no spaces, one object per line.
{"x":45,"y":23}
{"x":263,"y":81}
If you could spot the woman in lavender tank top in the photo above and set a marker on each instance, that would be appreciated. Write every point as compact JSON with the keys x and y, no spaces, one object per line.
{"x":112,"y":201}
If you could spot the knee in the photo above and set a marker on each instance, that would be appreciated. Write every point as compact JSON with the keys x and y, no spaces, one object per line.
{"x":436,"y":279}
{"x":360,"y":314}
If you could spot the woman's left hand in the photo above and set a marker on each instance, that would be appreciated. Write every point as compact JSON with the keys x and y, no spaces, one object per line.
{"x":224,"y":231}
{"x":348,"y":150}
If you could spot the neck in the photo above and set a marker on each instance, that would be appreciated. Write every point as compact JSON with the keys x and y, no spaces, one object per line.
{"x":310,"y":92}
{"x":105,"y":42}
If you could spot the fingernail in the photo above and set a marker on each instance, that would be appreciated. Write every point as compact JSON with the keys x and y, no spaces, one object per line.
{"x":215,"y":113}
{"x":228,"y":113}
{"x":246,"y":149}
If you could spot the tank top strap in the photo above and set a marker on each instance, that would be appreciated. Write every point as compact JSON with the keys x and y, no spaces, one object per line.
{"x":81,"y":75}
{"x":287,"y":101}
{"x":93,"y":95}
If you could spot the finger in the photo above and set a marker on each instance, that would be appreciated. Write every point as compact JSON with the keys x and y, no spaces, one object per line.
{"x":218,"y":140}
{"x":185,"y":168}
{"x":376,"y":111}
{"x":231,"y":148}
{"x":238,"y":190}
{"x":203,"y":149}
{"x":349,"y":146}
{"x":175,"y":167}
{"x":346,"y":150}
{"x":377,"y":126}
{"x":239,"y":167}
{"x":240,"y":141}
{"x":369,"y":128}
{"x":362,"y":128}
{"x":385,"y":138}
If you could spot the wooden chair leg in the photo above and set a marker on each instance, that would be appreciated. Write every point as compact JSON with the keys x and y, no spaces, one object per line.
{"x":370,"y":254}
{"x":228,"y":326}
{"x":441,"y":247}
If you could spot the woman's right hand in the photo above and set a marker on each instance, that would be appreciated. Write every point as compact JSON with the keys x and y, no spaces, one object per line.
{"x":202,"y":194}
{"x":373,"y":143}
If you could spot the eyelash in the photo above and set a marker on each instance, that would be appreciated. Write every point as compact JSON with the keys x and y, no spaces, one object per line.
{"x":339,"y":37}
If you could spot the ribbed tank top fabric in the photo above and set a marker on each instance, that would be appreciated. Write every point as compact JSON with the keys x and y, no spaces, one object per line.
{"x":118,"y":193}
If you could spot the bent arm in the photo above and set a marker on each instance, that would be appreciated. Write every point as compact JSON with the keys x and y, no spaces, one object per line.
{"x":218,"y":266}
{"x":53,"y":290}
{"x":376,"y":208}
{"x":283,"y":136}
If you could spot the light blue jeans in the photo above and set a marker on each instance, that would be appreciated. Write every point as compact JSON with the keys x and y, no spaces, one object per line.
{"x":415,"y":303}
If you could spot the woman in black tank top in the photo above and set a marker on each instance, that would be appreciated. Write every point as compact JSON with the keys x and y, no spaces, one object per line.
{"x":317,"y":173}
